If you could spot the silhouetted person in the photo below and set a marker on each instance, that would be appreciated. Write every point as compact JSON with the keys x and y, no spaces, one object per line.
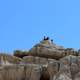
{"x":51,"y":40}
{"x":46,"y":38}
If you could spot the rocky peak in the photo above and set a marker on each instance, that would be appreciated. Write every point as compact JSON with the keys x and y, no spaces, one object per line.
{"x":47,"y":48}
{"x":44,"y":61}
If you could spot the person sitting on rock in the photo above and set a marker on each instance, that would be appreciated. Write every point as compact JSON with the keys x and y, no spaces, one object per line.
{"x":52,"y":41}
{"x":46,"y":38}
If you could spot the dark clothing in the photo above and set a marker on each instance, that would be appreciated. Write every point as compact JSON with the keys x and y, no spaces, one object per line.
{"x":46,"y":38}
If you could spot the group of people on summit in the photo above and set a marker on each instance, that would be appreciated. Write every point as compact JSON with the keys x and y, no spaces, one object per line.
{"x":47,"y":38}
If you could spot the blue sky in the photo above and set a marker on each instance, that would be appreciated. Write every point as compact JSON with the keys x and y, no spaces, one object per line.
{"x":23,"y":23}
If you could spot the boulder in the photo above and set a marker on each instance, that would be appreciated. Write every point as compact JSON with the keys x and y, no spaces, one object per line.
{"x":47,"y":50}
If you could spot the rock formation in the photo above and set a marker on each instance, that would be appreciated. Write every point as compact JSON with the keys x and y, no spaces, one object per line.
{"x":44,"y":61}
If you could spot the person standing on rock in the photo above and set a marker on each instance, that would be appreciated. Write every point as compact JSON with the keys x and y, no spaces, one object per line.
{"x":52,"y":41}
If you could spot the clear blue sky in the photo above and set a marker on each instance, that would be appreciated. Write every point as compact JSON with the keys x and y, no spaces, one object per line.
{"x":23,"y":23}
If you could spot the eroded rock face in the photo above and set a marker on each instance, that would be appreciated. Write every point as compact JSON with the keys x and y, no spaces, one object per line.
{"x":69,"y":69}
{"x":45,"y":61}
{"x":66,"y":68}
{"x":48,"y":50}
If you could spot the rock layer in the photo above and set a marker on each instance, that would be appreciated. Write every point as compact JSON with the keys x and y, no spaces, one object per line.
{"x":44,"y":61}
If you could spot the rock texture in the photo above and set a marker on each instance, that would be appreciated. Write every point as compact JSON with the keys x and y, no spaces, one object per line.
{"x":44,"y":61}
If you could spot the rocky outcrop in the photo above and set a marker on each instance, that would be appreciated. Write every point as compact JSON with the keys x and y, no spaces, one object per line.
{"x":48,"y":50}
{"x":67,"y":68}
{"x":44,"y":61}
